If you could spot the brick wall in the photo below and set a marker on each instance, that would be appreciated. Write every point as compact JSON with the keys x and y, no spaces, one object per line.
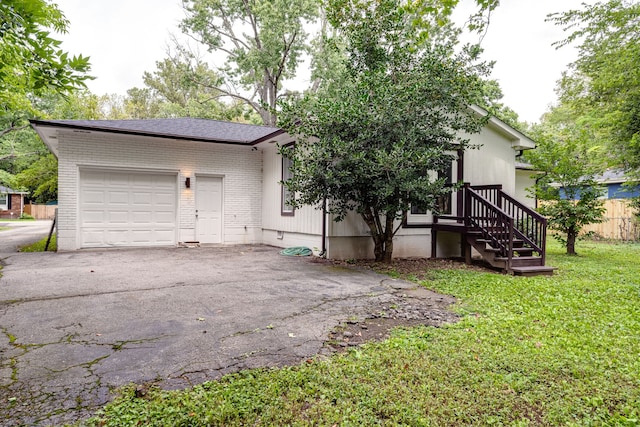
{"x":15,"y":207}
{"x":240,"y":167}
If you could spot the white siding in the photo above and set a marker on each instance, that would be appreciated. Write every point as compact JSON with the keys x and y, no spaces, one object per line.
{"x":492,"y":163}
{"x":304,"y":228}
{"x":240,"y":168}
{"x":524,"y":180}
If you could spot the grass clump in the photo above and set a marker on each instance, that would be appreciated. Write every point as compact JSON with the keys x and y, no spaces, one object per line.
{"x":40,"y":245}
{"x":539,"y":351}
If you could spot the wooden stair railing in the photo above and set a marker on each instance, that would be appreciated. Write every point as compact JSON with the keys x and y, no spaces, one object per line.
{"x":495,"y":225}
{"x":529,"y":225}
{"x":508,"y":234}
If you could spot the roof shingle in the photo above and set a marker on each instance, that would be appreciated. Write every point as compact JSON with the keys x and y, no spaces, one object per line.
{"x":178,"y":128}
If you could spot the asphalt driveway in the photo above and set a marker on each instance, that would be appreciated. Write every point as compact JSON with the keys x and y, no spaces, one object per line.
{"x":21,"y":233}
{"x":75,"y":325}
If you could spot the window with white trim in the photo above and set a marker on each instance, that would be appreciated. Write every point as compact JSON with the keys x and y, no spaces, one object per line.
{"x":4,"y":201}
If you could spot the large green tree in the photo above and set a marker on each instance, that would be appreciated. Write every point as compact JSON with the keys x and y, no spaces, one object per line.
{"x":602,"y":87}
{"x":262,"y":42}
{"x":569,"y":161}
{"x":374,"y":142}
{"x":183,"y":85}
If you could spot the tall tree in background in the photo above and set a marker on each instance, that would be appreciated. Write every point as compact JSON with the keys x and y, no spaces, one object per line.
{"x":602,"y":87}
{"x":373,"y":141}
{"x":184,"y":86}
{"x":262,"y":42}
{"x":569,"y":162}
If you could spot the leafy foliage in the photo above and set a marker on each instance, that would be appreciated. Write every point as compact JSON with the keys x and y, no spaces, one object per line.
{"x":262,"y":40}
{"x":32,"y":67}
{"x":31,"y":62}
{"x":371,"y":142}
{"x":570,"y":194}
{"x":603,"y":84}
{"x":41,"y":179}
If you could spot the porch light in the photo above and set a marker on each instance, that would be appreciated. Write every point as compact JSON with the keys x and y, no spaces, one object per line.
{"x":187,"y":182}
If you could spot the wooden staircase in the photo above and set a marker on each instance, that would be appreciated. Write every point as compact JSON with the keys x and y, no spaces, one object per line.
{"x":508,"y":235}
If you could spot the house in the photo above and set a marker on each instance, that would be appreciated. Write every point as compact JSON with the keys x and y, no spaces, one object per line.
{"x":525,"y":179}
{"x":11,"y":202}
{"x":620,"y":216}
{"x":160,"y":182}
{"x":617,"y":185}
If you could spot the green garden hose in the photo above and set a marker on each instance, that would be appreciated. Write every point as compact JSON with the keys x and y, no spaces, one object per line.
{"x":297,"y":251}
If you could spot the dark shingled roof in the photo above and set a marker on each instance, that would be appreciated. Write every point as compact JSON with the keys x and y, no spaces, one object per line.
{"x":179,"y":128}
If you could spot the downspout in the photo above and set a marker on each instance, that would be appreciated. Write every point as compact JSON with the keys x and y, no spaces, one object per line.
{"x":323,"y":254}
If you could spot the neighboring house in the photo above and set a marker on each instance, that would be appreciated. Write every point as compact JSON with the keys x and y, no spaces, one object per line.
{"x":617,"y":185}
{"x":11,"y":202}
{"x":160,"y":182}
{"x":620,"y":222}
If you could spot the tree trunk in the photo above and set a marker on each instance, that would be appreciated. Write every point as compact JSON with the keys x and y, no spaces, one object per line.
{"x":388,"y":250}
{"x":382,"y":236}
{"x":378,"y":248}
{"x":571,"y":242}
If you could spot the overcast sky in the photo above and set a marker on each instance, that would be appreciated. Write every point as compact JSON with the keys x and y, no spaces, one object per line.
{"x":124,"y":38}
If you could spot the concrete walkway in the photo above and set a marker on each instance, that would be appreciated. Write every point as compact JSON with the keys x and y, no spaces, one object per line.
{"x":75,"y":325}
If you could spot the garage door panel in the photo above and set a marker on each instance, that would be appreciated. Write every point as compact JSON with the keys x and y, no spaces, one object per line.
{"x":118,"y":217}
{"x":164,"y":199}
{"x":144,"y":217}
{"x":115,"y":179}
{"x":93,"y":196}
{"x":165,"y":237}
{"x":120,"y":208}
{"x":118,"y":197}
{"x":93,"y":217}
{"x":117,"y":237}
{"x":91,"y":238}
{"x":141,"y":198}
{"x":164,"y":218}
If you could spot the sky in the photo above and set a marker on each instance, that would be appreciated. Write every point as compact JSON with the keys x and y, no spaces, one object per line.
{"x":125,"y":38}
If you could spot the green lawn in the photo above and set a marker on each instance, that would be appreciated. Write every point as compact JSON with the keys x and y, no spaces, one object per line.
{"x":561,"y":350}
{"x":40,"y":245}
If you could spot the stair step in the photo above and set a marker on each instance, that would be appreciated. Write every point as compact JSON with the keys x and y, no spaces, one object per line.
{"x":534,"y":271}
{"x":523,"y":251}
{"x":523,"y":261}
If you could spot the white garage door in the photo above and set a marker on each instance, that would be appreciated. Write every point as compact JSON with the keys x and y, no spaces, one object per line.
{"x":127,"y":209}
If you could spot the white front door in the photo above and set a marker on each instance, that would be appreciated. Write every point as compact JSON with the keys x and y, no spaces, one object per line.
{"x":209,"y":209}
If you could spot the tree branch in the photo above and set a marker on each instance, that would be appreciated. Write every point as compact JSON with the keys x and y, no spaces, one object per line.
{"x":12,"y":128}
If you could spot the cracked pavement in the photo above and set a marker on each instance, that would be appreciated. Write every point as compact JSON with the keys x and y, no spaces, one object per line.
{"x":75,"y":326}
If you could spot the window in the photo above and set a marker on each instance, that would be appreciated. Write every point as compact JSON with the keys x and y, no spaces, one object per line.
{"x":416,"y":211}
{"x":287,"y":196}
{"x":446,"y":205}
{"x":445,"y":202}
{"x":4,"y":201}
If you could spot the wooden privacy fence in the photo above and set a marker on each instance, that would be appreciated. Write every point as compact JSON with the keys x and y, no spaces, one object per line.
{"x":41,"y":211}
{"x":620,"y":222}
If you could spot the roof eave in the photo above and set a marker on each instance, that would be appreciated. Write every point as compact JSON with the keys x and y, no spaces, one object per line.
{"x":519,"y":141}
{"x":44,"y":123}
